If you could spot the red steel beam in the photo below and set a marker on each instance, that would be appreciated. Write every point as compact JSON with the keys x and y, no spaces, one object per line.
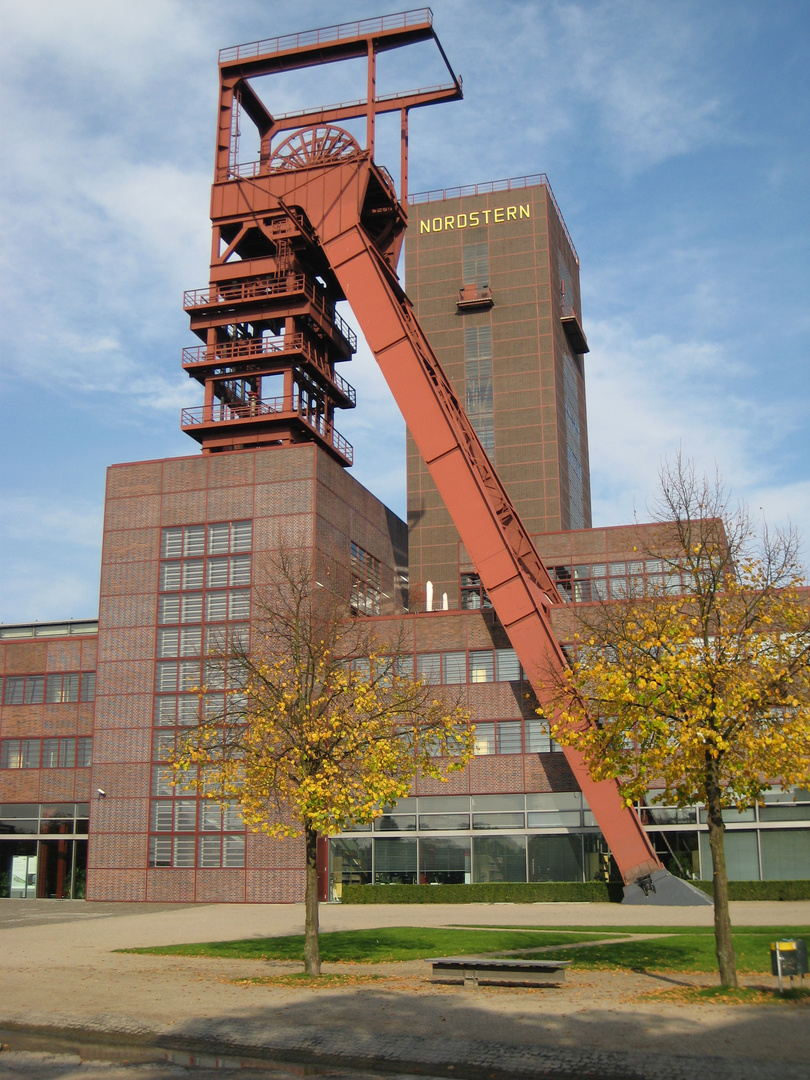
{"x":500,"y":548}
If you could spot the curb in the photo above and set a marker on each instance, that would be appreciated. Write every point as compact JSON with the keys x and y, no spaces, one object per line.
{"x":463,"y":1060}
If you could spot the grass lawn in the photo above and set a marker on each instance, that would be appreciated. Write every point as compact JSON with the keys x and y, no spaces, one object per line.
{"x":380,"y":946}
{"x":686,"y":949}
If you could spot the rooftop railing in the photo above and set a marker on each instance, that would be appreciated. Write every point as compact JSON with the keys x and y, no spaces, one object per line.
{"x":326,"y":35}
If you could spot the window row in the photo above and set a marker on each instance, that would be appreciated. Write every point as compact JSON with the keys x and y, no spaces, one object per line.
{"x":218,"y":606}
{"x":462,"y":813}
{"x":185,"y":710}
{"x":30,"y":819}
{"x":218,"y":573}
{"x":51,"y":689}
{"x":190,"y":641}
{"x":586,"y":582}
{"x":67,"y":753}
{"x":174,"y":675}
{"x":210,"y":851}
{"x":465,"y":860}
{"x":220,"y":538}
{"x":183,"y":815}
{"x":514,"y":737}
{"x":477,"y":666}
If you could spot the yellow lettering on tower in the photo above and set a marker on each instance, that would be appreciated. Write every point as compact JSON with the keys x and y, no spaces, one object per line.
{"x":437,"y":224}
{"x":424,"y":226}
{"x":486,"y":214}
{"x":449,"y":222}
{"x":511,"y":213}
{"x":461,"y":224}
{"x":474,"y":219}
{"x":524,"y":211}
{"x":499,"y":211}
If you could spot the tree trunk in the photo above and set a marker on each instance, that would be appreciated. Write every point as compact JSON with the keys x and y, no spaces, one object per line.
{"x":723,"y":944}
{"x":312,"y":951}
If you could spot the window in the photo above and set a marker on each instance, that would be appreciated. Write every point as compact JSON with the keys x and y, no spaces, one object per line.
{"x":14,"y":690}
{"x":473,"y":594}
{"x":484,"y":739}
{"x":475,"y":258}
{"x":481,"y":666}
{"x":429,"y":667}
{"x":84,"y":753}
{"x":185,"y":815}
{"x":478,"y":376}
{"x":161,"y":817}
{"x":160,"y":851}
{"x":34,"y":690}
{"x":576,"y":489}
{"x":64,"y":688}
{"x":162,"y":780}
{"x":183,"y":851}
{"x":538,"y":738}
{"x":88,"y":686}
{"x":510,"y":737}
{"x":454,"y":667}
{"x":366,"y":581}
{"x":507,"y":666}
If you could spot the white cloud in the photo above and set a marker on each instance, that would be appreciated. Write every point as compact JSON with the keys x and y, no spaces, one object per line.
{"x":649,"y":398}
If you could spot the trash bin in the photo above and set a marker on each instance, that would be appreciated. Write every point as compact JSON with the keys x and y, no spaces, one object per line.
{"x":789,"y":957}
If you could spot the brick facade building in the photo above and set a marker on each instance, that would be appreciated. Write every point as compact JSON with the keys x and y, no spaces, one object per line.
{"x":88,"y":711}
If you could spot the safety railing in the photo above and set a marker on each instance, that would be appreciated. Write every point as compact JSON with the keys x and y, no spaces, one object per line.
{"x":250,"y":289}
{"x":255,"y":348}
{"x":272,"y":285}
{"x":515,"y":183}
{"x":326,"y":34}
{"x":255,"y":409}
{"x":388,"y":178}
{"x":239,"y":350}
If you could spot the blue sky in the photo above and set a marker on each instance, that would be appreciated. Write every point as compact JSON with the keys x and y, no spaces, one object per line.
{"x":674,"y":135}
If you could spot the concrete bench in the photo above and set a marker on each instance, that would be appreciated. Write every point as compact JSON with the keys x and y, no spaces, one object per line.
{"x":491,"y":971}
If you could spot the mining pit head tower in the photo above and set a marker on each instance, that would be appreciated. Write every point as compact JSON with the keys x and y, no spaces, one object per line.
{"x":267,"y":319}
{"x":315,"y":220}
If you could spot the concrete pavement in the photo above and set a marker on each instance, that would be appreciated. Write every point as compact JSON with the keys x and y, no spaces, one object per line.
{"x":62,"y":977}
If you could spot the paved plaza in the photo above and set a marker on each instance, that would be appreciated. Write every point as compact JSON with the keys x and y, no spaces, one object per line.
{"x":65,"y":988}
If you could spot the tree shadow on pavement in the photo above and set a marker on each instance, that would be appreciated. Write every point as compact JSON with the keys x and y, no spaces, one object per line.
{"x":460,"y":1030}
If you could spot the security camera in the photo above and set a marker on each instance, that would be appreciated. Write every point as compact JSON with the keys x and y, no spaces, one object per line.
{"x":102,"y":794}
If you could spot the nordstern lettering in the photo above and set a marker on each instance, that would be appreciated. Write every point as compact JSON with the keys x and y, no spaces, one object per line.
{"x":451,"y":222}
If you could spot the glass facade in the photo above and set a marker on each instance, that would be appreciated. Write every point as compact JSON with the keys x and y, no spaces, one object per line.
{"x":552,"y":836}
{"x":43,"y":850}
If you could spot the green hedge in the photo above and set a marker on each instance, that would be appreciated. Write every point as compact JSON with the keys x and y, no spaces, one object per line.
{"x":761,"y":890}
{"x":590,"y":892}
{"x":570,"y":892}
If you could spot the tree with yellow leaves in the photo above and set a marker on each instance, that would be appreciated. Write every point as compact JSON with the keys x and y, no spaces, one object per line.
{"x":705,"y":692}
{"x":322,"y":729}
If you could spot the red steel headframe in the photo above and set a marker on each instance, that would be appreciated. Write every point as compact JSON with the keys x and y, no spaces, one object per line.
{"x":342,"y":224}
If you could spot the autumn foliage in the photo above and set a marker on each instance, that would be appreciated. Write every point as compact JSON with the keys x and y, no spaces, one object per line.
{"x":702,"y":695}
{"x":322,"y":728}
